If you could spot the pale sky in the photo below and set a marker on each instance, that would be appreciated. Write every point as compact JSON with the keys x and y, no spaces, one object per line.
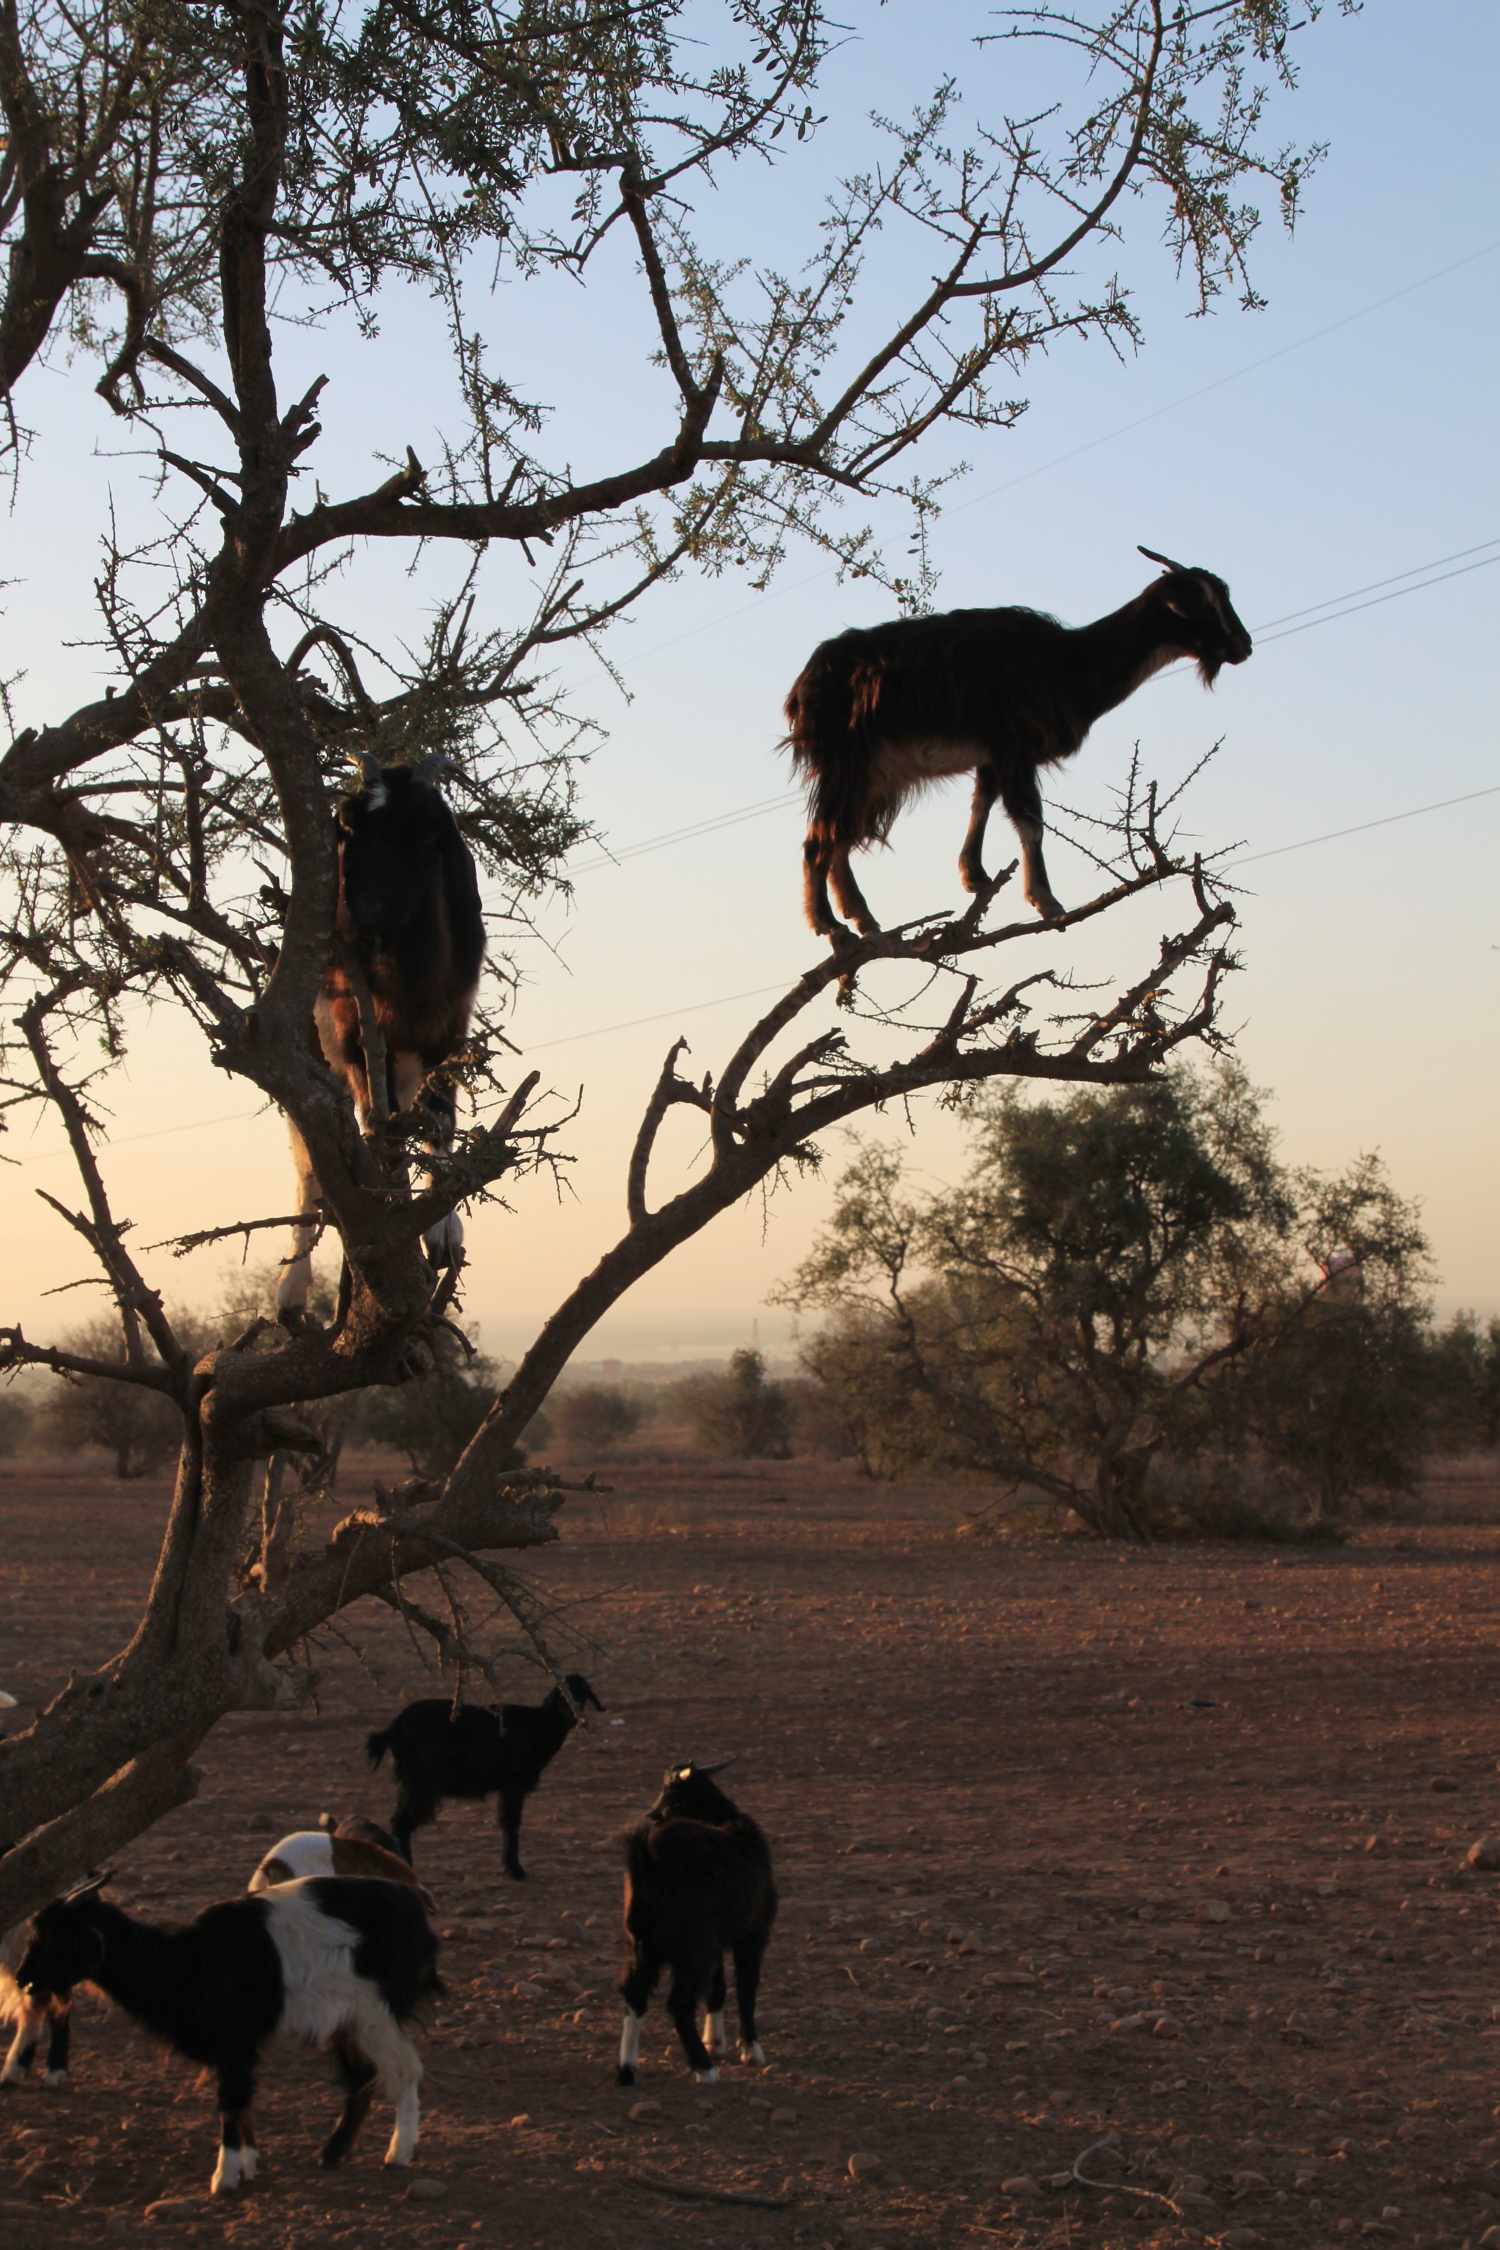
{"x":1341,"y":438}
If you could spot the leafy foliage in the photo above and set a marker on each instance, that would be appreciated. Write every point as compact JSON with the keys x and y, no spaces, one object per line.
{"x":738,"y":1413}
{"x":1123,"y":1279}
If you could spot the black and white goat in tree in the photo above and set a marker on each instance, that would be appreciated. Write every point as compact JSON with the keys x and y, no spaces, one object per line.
{"x":697,"y":1881}
{"x":882,"y":712}
{"x":409,"y":917}
{"x":331,"y":1963}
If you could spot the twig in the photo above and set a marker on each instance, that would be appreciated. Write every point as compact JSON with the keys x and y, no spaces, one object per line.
{"x":1120,"y":2187}
{"x":688,"y":2194}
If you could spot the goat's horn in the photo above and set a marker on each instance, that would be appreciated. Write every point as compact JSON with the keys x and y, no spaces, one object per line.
{"x":719,"y":1768}
{"x":1166,"y":561}
{"x":82,"y":1889}
{"x":435,"y":764}
{"x":368,"y":764}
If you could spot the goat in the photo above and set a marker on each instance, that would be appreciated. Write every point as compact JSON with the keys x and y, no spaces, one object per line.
{"x":344,"y":1850}
{"x":697,"y":1879}
{"x":31,"y":2018}
{"x":440,"y":1752}
{"x":881,"y":712}
{"x":328,"y":1962}
{"x":409,"y":919}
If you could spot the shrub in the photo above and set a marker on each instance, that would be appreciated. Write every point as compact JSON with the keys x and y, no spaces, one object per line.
{"x":740,"y":1413}
{"x":595,"y":1414}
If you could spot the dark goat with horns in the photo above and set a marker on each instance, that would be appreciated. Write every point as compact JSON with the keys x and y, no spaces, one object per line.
{"x":697,"y":1881}
{"x":410,"y":922}
{"x":880,"y":713}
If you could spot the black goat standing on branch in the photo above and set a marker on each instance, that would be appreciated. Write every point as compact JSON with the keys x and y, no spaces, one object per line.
{"x":882,"y":712}
{"x":402,"y":973}
{"x":697,"y":1880}
{"x":440,"y":1752}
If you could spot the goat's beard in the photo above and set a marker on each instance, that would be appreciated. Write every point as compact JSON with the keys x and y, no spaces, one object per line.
{"x":1209,"y":668}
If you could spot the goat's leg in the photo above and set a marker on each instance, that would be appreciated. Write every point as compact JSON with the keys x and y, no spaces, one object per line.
{"x":636,"y":1988}
{"x":29,"y":2026}
{"x":971,"y":859}
{"x":358,"y":2074}
{"x":1023,"y":801}
{"x":56,"y":2074}
{"x":682,"y":2007}
{"x":851,"y":898}
{"x":296,"y":1273}
{"x":816,"y":855}
{"x":748,"y":1955}
{"x":236,"y":2161}
{"x":508,"y":1814}
{"x":415,"y":1808}
{"x":714,"y":2028}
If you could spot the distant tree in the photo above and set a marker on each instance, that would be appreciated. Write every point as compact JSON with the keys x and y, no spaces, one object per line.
{"x":1337,"y":1388}
{"x":15,"y":1425}
{"x":1121,"y":1279}
{"x":595,"y":1414}
{"x":739,"y":1413}
{"x":1464,"y":1378}
{"x":141,"y":1428}
{"x":432,"y":1417}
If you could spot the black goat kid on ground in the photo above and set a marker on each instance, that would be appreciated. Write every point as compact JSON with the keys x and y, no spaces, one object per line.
{"x":697,"y":1881}
{"x":880,"y":713}
{"x":439,"y":1752}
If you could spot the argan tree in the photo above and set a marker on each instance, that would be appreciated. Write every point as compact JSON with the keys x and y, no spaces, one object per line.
{"x":185,"y":187}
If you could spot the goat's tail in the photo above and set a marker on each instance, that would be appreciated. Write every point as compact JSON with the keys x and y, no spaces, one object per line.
{"x":828,"y":715}
{"x":376,"y":1746}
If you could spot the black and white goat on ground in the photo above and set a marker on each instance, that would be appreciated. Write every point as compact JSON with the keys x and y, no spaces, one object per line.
{"x":697,"y":1882}
{"x":440,"y":1752}
{"x":32,"y":2018}
{"x":409,"y":915}
{"x":355,"y":1847}
{"x":879,"y":713}
{"x":333,"y":1963}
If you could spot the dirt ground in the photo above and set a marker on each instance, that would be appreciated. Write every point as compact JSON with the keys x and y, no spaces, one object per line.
{"x":1074,"y":1844}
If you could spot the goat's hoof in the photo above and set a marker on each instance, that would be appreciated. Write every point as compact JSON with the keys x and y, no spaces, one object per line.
{"x":12,"y":2077}
{"x":625,"y":2075}
{"x":709,"y":2077}
{"x":753,"y":2053}
{"x":55,"y":2081}
{"x":394,"y":2163}
{"x":516,"y":1874}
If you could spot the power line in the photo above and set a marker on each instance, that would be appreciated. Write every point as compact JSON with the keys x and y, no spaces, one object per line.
{"x":1360,"y":827}
{"x":1376,"y":583}
{"x":1355,"y":607}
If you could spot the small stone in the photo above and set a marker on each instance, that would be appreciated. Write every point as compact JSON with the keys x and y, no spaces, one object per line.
{"x":1486,"y":1853}
{"x":172,"y":2207}
{"x":783,"y":2117}
{"x":1391,"y":2211}
{"x":641,"y":2112}
{"x":1131,"y":2023}
{"x":1374,"y":1844}
{"x":865,"y":2165}
{"x":1444,"y":1785}
{"x":1239,"y":2238}
{"x":1023,"y":2187}
{"x":260,"y":1822}
{"x":526,"y":1990}
{"x":426,"y":2190}
{"x":523,"y":2118}
{"x":1211,"y":1910}
{"x":1251,"y":2183}
{"x":1059,"y":2179}
{"x":1165,"y":2027}
{"x":485,"y":2035}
